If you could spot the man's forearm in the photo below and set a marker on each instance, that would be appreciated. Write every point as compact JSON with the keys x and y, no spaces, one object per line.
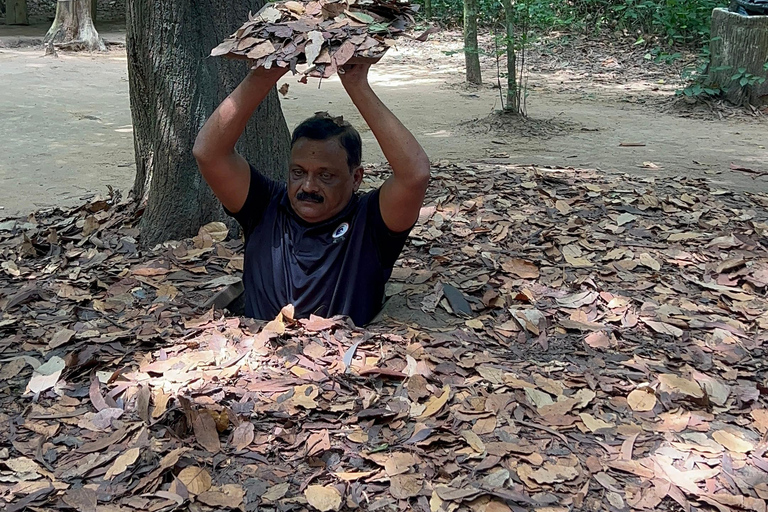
{"x":400,"y":147}
{"x":221,"y":132}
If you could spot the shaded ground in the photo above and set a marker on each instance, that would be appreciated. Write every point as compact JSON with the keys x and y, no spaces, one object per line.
{"x":611,"y":357}
{"x":62,"y":138}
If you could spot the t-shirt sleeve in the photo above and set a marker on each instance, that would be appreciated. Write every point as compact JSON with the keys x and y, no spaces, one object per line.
{"x":260,"y":192}
{"x":388,"y":243}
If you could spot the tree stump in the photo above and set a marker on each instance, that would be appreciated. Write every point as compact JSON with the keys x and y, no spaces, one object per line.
{"x":739,"y":52}
{"x":73,"y":27}
{"x":16,"y":12}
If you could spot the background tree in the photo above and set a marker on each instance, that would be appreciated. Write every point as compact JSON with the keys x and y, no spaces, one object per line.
{"x":16,"y":12}
{"x":513,"y":94}
{"x":471,"y":54}
{"x":174,"y":87}
{"x":73,"y":26}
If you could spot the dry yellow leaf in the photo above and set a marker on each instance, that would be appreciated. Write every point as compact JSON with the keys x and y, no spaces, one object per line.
{"x":304,"y":396}
{"x":648,"y":261}
{"x":122,"y":463}
{"x":733,"y":442}
{"x":323,"y":498}
{"x":358,"y":436}
{"x":352,"y":476}
{"x":216,"y":230}
{"x":473,"y":440}
{"x":196,"y":480}
{"x":761,"y":419}
{"x":434,"y":404}
{"x":594,"y":424}
{"x":641,"y":400}
{"x":538,"y":398}
{"x":673,"y":383}
{"x":161,"y":403}
{"x":475,"y":324}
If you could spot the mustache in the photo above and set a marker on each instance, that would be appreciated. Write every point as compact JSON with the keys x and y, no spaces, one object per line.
{"x":307,"y":196}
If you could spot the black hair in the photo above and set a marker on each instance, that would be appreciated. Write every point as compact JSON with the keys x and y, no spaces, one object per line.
{"x":323,"y":126}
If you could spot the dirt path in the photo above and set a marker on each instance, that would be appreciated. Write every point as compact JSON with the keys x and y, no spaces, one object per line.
{"x":65,"y":122}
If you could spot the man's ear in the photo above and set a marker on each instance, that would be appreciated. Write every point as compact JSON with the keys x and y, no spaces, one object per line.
{"x":357,"y":176}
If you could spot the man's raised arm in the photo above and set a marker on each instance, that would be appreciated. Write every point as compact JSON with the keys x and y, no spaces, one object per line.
{"x":227,"y":173}
{"x":402,"y":194}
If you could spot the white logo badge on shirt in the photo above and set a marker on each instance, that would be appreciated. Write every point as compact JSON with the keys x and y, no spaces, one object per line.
{"x":341,"y":231}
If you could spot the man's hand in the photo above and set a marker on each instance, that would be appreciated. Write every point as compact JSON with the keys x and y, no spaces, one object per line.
{"x":272,"y":74}
{"x":402,"y":195}
{"x":227,"y":173}
{"x":354,"y":75}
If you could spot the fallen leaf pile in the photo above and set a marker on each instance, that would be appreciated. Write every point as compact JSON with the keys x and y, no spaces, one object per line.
{"x":554,"y":340}
{"x":324,"y":34}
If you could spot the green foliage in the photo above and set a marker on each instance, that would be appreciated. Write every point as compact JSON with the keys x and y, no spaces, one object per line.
{"x":673,"y":21}
{"x":699,"y":85}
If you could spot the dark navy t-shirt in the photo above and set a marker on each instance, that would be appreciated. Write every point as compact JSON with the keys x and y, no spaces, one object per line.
{"x":339,"y":266}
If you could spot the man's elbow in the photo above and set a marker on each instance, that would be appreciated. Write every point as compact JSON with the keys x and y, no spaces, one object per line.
{"x":422,"y":173}
{"x":200,"y":151}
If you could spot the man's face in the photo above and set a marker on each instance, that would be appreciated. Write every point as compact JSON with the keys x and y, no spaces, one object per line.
{"x":320,"y":183}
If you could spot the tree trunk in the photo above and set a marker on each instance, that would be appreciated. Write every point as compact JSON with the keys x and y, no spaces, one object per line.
{"x":94,"y":6}
{"x":739,"y":52}
{"x":513,"y":93}
{"x":471,"y":55}
{"x":428,"y":9}
{"x":174,"y":87}
{"x":73,"y":27}
{"x":16,"y":12}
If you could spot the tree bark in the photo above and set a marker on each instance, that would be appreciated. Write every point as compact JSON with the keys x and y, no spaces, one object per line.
{"x":16,"y":12}
{"x":174,"y":87}
{"x":73,"y":27}
{"x":513,"y":92}
{"x":471,"y":55}
{"x":739,"y":43}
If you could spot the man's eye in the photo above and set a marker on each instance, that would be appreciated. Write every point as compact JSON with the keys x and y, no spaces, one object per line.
{"x":326,"y":176}
{"x":297,"y":172}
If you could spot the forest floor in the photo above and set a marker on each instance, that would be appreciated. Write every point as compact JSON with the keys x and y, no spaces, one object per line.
{"x":557,"y":337}
{"x":65,"y":132}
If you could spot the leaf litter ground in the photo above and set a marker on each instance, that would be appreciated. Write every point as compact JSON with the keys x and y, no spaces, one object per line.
{"x":555,"y":339}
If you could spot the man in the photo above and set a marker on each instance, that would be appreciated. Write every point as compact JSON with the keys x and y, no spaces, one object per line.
{"x":314,"y":242}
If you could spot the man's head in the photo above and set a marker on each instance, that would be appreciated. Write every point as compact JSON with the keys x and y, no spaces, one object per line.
{"x":325,"y":168}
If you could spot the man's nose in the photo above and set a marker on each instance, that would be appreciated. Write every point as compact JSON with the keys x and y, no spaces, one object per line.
{"x":310,"y":184}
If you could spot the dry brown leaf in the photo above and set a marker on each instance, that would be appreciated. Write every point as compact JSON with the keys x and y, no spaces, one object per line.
{"x":196,"y":480}
{"x":276,"y":492}
{"x":400,"y":462}
{"x":206,"y":432}
{"x":243,"y":435}
{"x":521,"y":268}
{"x":598,"y":339}
{"x":226,"y":496}
{"x":403,"y":487}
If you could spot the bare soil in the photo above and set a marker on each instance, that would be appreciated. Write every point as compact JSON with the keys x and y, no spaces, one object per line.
{"x":65,"y":128}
